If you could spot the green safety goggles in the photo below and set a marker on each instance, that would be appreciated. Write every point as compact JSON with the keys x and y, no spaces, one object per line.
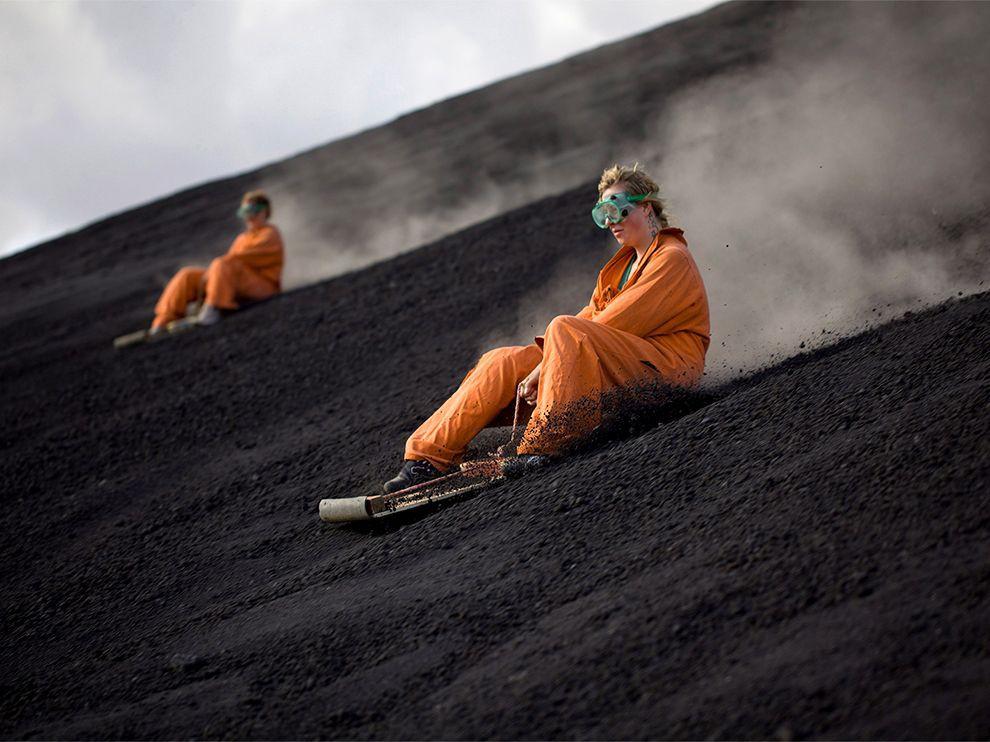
{"x":615,"y":208}
{"x":247,"y":210}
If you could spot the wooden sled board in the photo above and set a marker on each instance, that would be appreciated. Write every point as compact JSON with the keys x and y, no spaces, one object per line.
{"x":138,"y":338}
{"x":131,"y":338}
{"x":472,"y":475}
{"x":352,"y":509}
{"x":145,"y":336}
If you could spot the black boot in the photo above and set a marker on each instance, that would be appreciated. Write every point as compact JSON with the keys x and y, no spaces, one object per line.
{"x":412,"y":473}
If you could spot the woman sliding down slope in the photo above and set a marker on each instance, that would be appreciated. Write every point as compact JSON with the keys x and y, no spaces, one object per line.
{"x":647,"y":321}
{"x":250,"y":271}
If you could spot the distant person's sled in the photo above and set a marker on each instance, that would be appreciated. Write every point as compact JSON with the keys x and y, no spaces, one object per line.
{"x":470,"y":477}
{"x":178,"y":326}
{"x":147,"y":336}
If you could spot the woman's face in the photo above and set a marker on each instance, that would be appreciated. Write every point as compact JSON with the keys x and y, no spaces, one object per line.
{"x":636,"y":230}
{"x":253,"y":219}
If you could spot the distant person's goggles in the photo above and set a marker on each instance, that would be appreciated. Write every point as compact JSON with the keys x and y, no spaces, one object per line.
{"x":615,"y":208}
{"x":247,"y":210}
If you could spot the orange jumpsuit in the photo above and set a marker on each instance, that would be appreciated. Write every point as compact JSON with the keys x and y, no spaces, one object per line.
{"x":251,"y":270}
{"x":655,"y":328}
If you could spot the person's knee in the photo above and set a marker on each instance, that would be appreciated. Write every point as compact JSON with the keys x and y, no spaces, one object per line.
{"x":495,"y":355}
{"x":186,"y":274}
{"x":566,"y":326}
{"x":222,"y":271}
{"x":221,"y":265}
{"x":508,"y":355}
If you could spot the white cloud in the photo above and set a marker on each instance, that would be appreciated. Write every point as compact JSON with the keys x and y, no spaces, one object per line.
{"x":22,"y":222}
{"x":107,"y":104}
{"x":84,"y":85}
{"x":559,"y":22}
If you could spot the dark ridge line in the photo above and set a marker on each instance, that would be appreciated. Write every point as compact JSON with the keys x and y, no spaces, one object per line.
{"x":840,"y":344}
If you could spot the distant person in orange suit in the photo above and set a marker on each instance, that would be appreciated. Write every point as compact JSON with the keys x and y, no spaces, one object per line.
{"x":647,"y":321}
{"x":250,"y":271}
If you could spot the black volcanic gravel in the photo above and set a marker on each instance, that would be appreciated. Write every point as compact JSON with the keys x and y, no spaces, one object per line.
{"x":806,"y":553}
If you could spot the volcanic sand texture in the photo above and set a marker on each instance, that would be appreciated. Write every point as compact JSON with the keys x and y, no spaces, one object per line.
{"x":807,"y":555}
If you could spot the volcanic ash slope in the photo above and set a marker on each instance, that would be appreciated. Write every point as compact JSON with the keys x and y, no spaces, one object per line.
{"x":807,"y":555}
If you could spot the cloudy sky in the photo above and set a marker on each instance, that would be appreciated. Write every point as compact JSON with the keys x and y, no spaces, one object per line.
{"x":105,"y":105}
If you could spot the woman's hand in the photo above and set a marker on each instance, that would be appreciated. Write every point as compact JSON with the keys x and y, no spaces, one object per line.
{"x":529,"y":386}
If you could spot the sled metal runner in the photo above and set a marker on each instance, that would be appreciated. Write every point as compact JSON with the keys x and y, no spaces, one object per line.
{"x":145,"y":336}
{"x":471,"y":476}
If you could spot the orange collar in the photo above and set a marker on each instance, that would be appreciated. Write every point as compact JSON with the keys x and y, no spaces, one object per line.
{"x":623,"y":254}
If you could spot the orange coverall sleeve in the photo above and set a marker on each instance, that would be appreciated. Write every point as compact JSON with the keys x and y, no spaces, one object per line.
{"x":666,"y":290}
{"x":259,"y":251}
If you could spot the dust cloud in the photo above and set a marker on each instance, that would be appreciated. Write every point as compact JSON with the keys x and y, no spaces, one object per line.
{"x":840,"y":182}
{"x":317,"y":250}
{"x":840,"y":185}
{"x":829,"y":190}
{"x":390,"y":200}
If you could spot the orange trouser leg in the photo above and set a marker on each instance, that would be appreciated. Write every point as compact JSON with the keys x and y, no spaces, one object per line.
{"x":488,"y":389}
{"x":229,"y":279}
{"x":582,"y":359}
{"x":184,"y":287}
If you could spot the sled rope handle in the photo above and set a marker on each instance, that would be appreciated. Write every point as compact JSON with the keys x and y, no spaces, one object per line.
{"x":506,"y":450}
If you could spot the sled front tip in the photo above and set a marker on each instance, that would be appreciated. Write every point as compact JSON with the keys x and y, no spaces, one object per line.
{"x":131,"y":338}
{"x":344,"y":510}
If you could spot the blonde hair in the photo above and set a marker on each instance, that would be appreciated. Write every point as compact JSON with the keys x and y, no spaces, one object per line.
{"x":637,"y":183}
{"x":260,"y":198}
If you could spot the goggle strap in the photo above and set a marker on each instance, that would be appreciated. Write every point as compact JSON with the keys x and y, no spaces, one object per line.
{"x":633,"y":199}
